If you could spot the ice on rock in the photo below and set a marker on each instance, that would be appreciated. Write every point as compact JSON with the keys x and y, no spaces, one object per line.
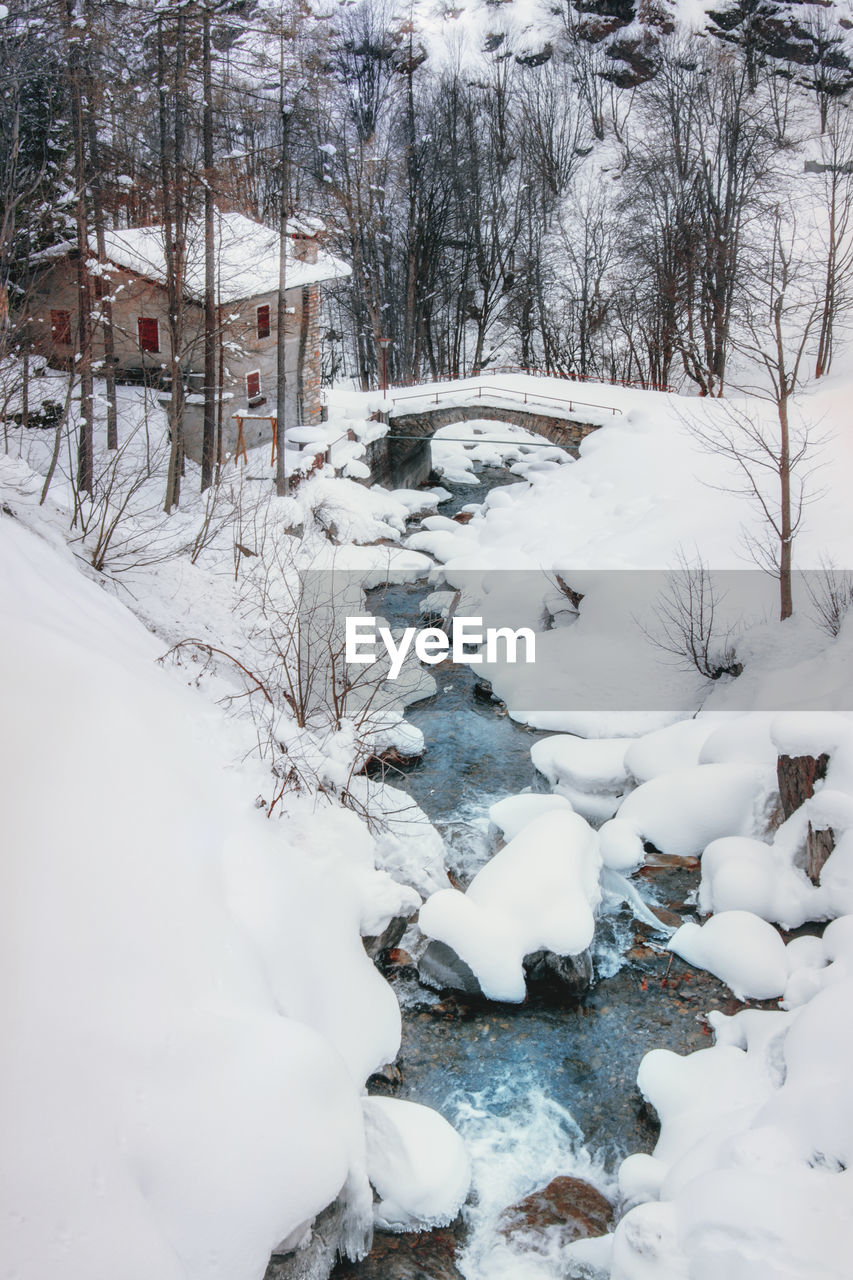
{"x":539,"y":893}
{"x":741,"y":949}
{"x":514,"y":812}
{"x":683,"y":811}
{"x":417,"y":1163}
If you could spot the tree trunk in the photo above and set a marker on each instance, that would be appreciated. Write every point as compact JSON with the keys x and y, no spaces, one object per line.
{"x":83,"y":367}
{"x":106,"y":310}
{"x":797,"y":776}
{"x":408,"y":370}
{"x":208,"y":444}
{"x":281,"y":483}
{"x":786,"y":603}
{"x":304,"y":318}
{"x":174,"y":237}
{"x":824,"y":346}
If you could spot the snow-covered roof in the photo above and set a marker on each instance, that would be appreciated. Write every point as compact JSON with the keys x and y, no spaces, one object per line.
{"x":246,"y":254}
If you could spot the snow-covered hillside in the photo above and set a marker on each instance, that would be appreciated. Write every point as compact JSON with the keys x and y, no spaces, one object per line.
{"x":190,"y":1014}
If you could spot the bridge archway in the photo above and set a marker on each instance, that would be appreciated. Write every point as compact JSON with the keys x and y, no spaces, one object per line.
{"x":402,"y":458}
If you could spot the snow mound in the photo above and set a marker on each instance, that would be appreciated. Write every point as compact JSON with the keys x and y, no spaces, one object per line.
{"x":589,"y":772}
{"x":676,"y":746}
{"x":620,"y":847}
{"x":683,"y":811}
{"x":596,"y":764}
{"x":742,"y":874}
{"x":744,"y":738}
{"x":538,"y":893}
{"x":514,"y":812}
{"x":743,"y":950}
{"x":416,"y":501}
{"x":417,"y":1163}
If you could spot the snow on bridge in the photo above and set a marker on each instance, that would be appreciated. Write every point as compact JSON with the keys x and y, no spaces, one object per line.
{"x":560,"y":410}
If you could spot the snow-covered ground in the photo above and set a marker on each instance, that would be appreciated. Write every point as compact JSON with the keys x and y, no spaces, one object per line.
{"x":750,"y":1175}
{"x":190,"y":1014}
{"x":191,"y":855}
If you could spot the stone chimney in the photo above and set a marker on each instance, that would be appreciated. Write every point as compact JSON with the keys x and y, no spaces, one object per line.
{"x":304,"y":246}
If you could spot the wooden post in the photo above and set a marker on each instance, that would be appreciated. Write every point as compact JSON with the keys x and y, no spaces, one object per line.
{"x":241,"y":441}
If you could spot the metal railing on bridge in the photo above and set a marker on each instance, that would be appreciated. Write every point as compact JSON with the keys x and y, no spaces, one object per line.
{"x":527,"y":397}
{"x":496,"y":370}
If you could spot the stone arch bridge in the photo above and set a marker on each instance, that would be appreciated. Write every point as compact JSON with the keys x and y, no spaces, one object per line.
{"x":402,"y":458}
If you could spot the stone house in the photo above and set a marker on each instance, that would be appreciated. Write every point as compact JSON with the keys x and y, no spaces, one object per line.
{"x":247,"y":255}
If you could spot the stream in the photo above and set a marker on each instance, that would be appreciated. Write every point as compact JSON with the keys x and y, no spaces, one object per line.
{"x":546,"y":1088}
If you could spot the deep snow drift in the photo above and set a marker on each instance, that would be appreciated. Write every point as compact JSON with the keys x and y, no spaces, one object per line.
{"x":190,"y":1013}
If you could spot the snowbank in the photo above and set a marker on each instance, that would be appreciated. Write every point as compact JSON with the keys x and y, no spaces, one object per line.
{"x":189,"y":1013}
{"x":751,"y":1169}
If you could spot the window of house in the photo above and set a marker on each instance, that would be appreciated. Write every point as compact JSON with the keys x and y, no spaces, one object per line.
{"x":149,"y":334}
{"x":263,"y":322}
{"x":60,"y":327}
{"x":253,"y":385}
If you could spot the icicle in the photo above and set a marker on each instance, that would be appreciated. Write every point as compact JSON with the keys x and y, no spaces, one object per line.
{"x":620,"y":887}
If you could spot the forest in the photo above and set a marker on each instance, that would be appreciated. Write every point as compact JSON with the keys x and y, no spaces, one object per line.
{"x":586,"y":190}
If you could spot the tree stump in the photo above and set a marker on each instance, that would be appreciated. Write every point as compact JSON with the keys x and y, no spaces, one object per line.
{"x":797,"y":776}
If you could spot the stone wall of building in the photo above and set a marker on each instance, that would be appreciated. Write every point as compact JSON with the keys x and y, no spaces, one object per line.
{"x":243,"y":351}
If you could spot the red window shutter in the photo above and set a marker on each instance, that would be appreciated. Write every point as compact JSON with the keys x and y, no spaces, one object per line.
{"x":263,"y":322}
{"x":60,"y":327}
{"x":149,"y":334}
{"x":253,"y":385}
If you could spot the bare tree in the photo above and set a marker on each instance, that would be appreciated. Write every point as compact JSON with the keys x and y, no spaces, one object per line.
{"x":773,"y":455}
{"x":836,"y":232}
{"x":689,"y":624}
{"x":831,"y":593}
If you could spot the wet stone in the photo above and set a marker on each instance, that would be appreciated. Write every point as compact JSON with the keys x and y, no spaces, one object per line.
{"x":413,"y":1255}
{"x":442,"y":968}
{"x":560,"y":975}
{"x":567,"y":1209}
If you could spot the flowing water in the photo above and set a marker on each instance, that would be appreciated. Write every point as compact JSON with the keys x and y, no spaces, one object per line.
{"x":545,"y":1088}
